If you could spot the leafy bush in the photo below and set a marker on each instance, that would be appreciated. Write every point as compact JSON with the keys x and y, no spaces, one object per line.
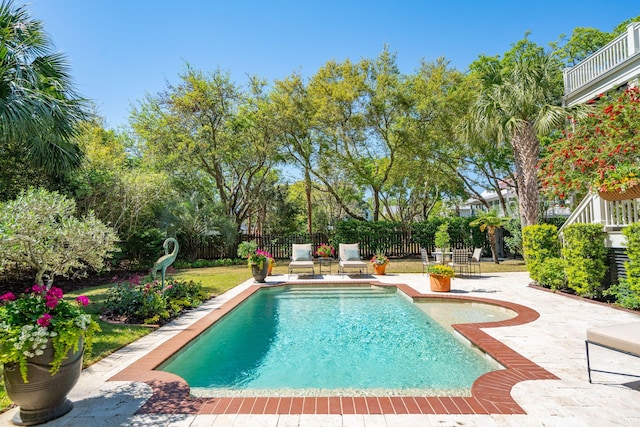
{"x":584,"y":253}
{"x":539,"y":242}
{"x":551,"y":273}
{"x":39,"y":229}
{"x":146,"y":303}
{"x":627,"y":292}
{"x":143,"y":247}
{"x":513,"y":237}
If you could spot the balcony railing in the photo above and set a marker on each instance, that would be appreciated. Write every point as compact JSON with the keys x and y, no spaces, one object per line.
{"x":603,"y":60}
{"x":612,"y":215}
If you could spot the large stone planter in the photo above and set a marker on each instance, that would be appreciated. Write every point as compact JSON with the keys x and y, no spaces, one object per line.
{"x":44,"y":397}
{"x":260,"y":274}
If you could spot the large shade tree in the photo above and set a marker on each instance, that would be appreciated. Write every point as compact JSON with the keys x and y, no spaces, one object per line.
{"x":518,"y":100}
{"x":39,"y":108}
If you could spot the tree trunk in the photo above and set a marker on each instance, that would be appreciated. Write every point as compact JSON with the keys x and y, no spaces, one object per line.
{"x":492,"y":241}
{"x":307,"y":191}
{"x":526,"y":149}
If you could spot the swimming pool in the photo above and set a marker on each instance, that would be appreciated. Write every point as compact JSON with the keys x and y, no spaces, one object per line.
{"x":306,"y":340}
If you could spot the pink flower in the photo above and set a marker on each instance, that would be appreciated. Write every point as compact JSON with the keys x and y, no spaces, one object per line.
{"x":44,"y":320}
{"x":83,"y":300}
{"x":52,"y":302}
{"x":9,"y":296}
{"x":55,"y":292}
{"x":37,"y":289}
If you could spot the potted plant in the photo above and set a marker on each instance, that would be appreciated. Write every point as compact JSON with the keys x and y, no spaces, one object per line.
{"x":442,"y":239}
{"x":619,"y":183}
{"x":379,"y":262}
{"x":440,"y":277}
{"x":257,"y":260}
{"x":42,"y":340}
{"x":42,"y":336}
{"x":325,"y":251}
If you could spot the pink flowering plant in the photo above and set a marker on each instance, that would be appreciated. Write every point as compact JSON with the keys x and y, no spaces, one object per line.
{"x":325,"y":250}
{"x":29,"y":321}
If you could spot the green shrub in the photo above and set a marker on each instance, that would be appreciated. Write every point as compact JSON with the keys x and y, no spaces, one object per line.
{"x":627,"y":292}
{"x":551,"y":273}
{"x":584,"y":253}
{"x":145,"y":303}
{"x":539,"y":242}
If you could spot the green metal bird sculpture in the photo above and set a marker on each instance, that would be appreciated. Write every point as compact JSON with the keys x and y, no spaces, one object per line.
{"x":166,"y":260}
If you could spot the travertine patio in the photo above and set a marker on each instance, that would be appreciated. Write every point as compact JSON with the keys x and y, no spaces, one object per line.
{"x":555,"y":341}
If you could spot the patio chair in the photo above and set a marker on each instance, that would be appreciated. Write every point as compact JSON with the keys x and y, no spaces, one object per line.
{"x":460,"y":260}
{"x":474,"y":261}
{"x":301,"y":257}
{"x":349,"y":258}
{"x":424,"y":255}
{"x":624,"y":338}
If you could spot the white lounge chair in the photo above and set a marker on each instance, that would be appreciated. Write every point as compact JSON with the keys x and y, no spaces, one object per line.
{"x":301,"y":257}
{"x":349,"y":258}
{"x":624,"y":338}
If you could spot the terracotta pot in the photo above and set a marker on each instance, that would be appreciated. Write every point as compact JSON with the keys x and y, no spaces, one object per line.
{"x":632,"y":192}
{"x":439,"y":283}
{"x":44,"y":397}
{"x":259,"y":274}
{"x":379,"y":269}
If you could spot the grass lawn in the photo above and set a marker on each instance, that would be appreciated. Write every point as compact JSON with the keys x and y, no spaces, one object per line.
{"x":215,"y":281}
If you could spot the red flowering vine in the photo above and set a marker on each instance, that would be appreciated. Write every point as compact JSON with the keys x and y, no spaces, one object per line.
{"x":598,"y":152}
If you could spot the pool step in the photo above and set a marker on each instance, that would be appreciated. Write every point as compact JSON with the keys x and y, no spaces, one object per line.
{"x":336,"y":292}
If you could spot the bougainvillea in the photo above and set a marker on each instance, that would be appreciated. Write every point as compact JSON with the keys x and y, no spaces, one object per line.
{"x":599,"y":152}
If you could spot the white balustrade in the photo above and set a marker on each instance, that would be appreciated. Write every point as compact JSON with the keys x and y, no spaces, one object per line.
{"x":604,"y":59}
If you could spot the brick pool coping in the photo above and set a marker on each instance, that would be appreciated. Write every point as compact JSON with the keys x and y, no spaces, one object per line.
{"x":490,"y":393}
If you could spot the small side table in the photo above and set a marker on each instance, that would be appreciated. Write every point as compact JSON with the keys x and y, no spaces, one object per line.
{"x":325,"y":261}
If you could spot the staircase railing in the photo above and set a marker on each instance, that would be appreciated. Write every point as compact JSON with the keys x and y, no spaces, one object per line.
{"x":613,"y":215}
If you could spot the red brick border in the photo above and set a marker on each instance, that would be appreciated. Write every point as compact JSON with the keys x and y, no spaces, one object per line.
{"x":490,"y":393}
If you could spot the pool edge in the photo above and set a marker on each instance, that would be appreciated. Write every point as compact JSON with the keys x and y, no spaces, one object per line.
{"x":490,"y":393}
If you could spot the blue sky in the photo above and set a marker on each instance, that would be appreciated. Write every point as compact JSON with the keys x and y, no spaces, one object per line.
{"x":121,"y":49}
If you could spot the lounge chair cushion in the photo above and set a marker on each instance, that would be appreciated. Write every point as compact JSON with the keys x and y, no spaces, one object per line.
{"x":301,"y":264}
{"x":624,"y":337}
{"x":352,"y":255}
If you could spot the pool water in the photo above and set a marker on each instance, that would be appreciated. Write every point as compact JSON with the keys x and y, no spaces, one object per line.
{"x":302,"y":340}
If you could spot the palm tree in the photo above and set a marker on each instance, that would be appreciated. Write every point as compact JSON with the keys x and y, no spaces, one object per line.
{"x":519,"y":100}
{"x":490,"y":221}
{"x":39,"y":108}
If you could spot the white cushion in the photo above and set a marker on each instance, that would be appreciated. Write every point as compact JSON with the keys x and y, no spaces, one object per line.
{"x":625,"y":337}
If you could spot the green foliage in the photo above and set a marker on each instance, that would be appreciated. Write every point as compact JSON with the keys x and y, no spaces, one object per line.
{"x":28,"y":322}
{"x":539,"y":242}
{"x":551,"y":273}
{"x":442,"y":239}
{"x":627,"y":292}
{"x":146,"y":303}
{"x":38,"y":229}
{"x":584,"y":253}
{"x":595,"y":147}
{"x":39,"y":108}
{"x":441,"y":270}
{"x":513,"y":239}
{"x":143,"y":247}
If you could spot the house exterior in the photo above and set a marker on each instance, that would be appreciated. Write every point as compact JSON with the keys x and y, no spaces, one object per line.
{"x":614,"y":66}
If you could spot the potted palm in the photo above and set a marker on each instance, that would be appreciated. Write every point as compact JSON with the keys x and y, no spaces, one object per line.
{"x":440,"y":277}
{"x":379,"y":262}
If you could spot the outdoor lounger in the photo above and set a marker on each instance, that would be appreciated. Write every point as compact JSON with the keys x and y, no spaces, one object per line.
{"x":624,"y":338}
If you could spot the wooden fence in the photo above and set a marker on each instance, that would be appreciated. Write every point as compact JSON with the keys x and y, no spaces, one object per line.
{"x":399,"y":245}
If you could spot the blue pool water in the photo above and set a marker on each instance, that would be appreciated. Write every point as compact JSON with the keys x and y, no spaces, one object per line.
{"x":330,"y":338}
